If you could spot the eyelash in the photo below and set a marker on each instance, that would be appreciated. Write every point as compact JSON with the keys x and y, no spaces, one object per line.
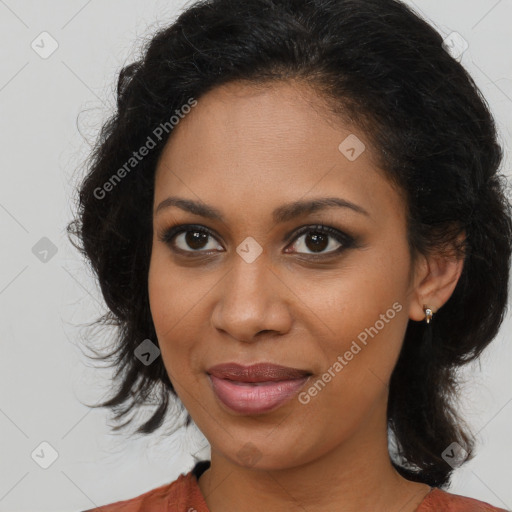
{"x":168,"y":235}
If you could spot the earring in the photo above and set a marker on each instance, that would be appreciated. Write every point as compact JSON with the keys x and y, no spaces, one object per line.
{"x":428,"y":313}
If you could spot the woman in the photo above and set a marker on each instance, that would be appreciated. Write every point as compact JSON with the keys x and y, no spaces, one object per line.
{"x":298,"y":225}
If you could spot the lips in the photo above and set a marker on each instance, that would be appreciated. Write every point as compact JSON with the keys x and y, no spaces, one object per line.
{"x":255,"y":389}
{"x":260,"y":372}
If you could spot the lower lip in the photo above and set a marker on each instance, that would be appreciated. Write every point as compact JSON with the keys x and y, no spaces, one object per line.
{"x":247,"y":398}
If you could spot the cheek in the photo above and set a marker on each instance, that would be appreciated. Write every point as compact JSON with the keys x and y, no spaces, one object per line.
{"x":172,"y":292}
{"x":177,"y":300}
{"x":365,"y":288}
{"x":171,"y":303}
{"x":161,"y":293}
{"x":365,"y":309}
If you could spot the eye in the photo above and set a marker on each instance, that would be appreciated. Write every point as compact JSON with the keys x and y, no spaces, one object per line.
{"x":319,"y":238}
{"x":186,"y":237}
{"x":322,"y":241}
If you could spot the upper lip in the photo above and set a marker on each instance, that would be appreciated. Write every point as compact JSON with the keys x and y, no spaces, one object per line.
{"x":259,"y":372}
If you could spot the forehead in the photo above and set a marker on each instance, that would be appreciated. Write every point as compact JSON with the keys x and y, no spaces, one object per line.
{"x":267,"y":145}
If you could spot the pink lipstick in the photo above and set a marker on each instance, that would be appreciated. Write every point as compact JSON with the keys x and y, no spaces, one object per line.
{"x":255,"y":389}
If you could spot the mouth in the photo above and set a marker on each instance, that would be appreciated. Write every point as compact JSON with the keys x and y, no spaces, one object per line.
{"x":256,"y":373}
{"x":255,"y":389}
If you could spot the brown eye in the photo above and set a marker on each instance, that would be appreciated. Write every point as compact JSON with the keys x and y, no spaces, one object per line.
{"x":195,"y":239}
{"x":315,"y":241}
{"x":189,"y":238}
{"x":321,"y":240}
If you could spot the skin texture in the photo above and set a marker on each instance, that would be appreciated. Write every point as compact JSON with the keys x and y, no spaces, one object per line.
{"x":247,"y":150}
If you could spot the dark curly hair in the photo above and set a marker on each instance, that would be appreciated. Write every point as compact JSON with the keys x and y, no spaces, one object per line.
{"x":380,"y":67}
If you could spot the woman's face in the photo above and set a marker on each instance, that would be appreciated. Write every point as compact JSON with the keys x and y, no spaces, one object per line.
{"x":255,"y":290}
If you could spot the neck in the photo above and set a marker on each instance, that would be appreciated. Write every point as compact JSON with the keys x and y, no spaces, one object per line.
{"x":356,"y":475}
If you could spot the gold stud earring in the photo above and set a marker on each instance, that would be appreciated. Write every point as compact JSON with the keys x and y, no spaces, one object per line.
{"x":428,"y":313}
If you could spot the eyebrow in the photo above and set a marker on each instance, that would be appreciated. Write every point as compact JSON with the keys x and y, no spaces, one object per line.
{"x":281,"y":214}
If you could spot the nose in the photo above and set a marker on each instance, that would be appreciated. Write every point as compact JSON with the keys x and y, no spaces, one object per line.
{"x":252,"y":301}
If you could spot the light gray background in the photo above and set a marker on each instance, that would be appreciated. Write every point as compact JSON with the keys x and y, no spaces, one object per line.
{"x":45,"y":376}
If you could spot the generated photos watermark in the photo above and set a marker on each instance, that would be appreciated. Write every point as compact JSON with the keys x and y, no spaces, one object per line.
{"x":145,"y":149}
{"x":342,"y":360}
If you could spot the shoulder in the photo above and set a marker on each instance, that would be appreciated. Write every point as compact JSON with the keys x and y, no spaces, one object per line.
{"x":181,"y":495}
{"x":439,"y":500}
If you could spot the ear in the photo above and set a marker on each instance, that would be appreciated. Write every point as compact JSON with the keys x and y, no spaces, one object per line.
{"x":435,"y":279}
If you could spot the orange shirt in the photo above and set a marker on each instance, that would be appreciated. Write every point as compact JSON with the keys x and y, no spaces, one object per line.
{"x":184,"y":495}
